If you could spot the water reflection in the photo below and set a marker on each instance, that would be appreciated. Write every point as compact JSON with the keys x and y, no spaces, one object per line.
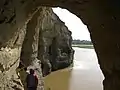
{"x":85,"y":75}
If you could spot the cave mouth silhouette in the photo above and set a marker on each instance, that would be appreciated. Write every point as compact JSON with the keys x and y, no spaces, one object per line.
{"x":101,"y":17}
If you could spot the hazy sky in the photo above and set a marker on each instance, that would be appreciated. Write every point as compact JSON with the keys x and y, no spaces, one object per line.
{"x":79,"y":30}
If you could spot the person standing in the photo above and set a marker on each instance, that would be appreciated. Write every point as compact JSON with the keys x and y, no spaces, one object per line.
{"x":32,"y":80}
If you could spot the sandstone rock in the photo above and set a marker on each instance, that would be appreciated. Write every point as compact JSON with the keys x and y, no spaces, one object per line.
{"x":9,"y":61}
{"x":30,"y":42}
{"x":30,"y":47}
{"x":54,"y":37}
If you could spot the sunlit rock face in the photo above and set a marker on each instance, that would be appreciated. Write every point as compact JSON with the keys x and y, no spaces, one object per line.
{"x":55,"y":41}
{"x":9,"y":61}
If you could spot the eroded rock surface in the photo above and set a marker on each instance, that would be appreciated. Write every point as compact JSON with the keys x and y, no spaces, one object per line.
{"x":55,"y":49}
{"x":31,"y":42}
{"x":9,"y":61}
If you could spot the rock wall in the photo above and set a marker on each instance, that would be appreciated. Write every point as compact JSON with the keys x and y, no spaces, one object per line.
{"x":29,"y":50}
{"x":9,"y":61}
{"x":34,"y":38}
{"x":55,"y":49}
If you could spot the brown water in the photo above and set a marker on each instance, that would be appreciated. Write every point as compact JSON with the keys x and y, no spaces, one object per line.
{"x":85,"y":75}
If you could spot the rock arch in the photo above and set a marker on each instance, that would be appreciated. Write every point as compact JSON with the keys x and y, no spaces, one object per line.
{"x":101,"y":17}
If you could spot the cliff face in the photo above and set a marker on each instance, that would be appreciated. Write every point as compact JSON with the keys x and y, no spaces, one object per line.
{"x":55,"y":49}
{"x":42,"y":39}
{"x":9,"y":61}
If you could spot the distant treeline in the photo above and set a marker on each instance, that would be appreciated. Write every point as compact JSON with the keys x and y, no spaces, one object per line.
{"x":81,"y":42}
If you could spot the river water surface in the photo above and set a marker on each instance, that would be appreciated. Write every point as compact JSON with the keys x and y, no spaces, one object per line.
{"x":84,"y":75}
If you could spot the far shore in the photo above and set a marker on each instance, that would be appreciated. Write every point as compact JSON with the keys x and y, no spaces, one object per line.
{"x":83,"y":46}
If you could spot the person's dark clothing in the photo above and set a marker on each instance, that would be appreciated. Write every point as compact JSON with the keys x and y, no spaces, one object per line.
{"x":32,"y":81}
{"x":32,"y":88}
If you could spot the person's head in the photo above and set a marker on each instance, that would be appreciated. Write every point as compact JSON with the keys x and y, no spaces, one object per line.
{"x":32,"y":71}
{"x":25,"y":68}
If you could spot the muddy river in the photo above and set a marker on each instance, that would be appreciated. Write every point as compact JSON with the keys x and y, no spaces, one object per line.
{"x":84,"y":75}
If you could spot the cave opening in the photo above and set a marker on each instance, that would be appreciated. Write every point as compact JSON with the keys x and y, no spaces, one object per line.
{"x":85,"y":72}
{"x":101,"y":16}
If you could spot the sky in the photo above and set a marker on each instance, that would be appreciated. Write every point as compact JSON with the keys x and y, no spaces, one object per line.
{"x":74,"y":24}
